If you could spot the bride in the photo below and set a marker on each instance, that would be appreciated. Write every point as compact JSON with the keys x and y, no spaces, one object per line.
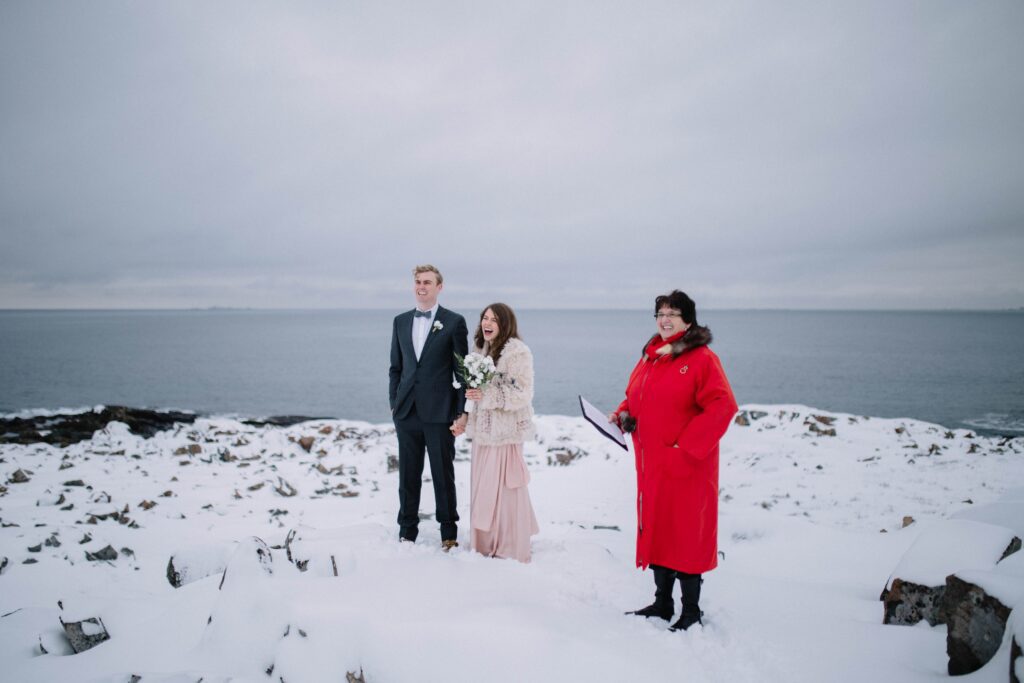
{"x":501,"y":515}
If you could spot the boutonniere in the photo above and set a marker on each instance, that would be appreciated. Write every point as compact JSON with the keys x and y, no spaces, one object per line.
{"x":437,"y":326}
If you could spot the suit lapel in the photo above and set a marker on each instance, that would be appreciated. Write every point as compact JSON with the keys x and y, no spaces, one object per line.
{"x":405,"y":335}
{"x":431,"y":333}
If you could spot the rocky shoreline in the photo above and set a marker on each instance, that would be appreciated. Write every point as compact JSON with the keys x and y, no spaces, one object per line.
{"x":71,"y":428}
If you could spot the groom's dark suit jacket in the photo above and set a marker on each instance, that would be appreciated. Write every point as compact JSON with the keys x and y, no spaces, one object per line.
{"x":427,"y":383}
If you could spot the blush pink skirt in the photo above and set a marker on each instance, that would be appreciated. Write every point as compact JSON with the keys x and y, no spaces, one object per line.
{"x":501,"y":515}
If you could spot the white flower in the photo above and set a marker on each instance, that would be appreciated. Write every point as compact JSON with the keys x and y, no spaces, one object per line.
{"x":456,"y":385}
{"x":438,"y":325}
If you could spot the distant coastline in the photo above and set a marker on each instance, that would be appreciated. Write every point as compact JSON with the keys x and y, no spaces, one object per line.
{"x":257,"y":309}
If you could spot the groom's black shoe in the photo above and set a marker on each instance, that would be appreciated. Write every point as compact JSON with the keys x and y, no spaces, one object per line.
{"x":662,"y":607}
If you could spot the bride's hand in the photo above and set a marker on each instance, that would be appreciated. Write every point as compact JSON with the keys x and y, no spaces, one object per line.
{"x":474,"y":394}
{"x":458,"y":427}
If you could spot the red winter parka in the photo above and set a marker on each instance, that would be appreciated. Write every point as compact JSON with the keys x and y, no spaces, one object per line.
{"x":682,"y":403}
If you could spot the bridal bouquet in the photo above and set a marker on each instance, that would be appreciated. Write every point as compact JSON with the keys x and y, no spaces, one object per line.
{"x":476,"y":370}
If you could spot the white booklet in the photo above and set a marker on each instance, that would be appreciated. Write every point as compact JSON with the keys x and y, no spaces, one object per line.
{"x":599,"y":419}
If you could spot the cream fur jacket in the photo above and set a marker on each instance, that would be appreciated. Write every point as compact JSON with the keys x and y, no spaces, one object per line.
{"x":505,"y":413}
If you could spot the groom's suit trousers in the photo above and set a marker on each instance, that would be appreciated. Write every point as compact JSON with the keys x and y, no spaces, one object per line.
{"x":413,"y":436}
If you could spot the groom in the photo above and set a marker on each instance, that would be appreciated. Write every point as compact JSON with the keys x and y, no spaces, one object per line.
{"x":425,"y":403}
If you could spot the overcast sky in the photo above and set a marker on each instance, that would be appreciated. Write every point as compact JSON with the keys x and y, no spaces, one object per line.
{"x":305,"y":154}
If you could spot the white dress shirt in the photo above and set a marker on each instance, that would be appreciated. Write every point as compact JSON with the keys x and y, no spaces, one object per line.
{"x":421,"y":330}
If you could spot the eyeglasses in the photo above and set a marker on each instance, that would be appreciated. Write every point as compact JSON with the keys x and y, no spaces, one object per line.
{"x":659,"y":316}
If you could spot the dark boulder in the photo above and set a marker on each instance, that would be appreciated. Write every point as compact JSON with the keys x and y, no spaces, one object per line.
{"x":916,"y":588}
{"x":976,"y":622}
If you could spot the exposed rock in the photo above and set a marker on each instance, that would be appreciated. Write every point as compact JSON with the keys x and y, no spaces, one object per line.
{"x":282,"y":420}
{"x":197,"y":562}
{"x":917,"y":585}
{"x":97,"y":518}
{"x":564,"y":455}
{"x":1016,"y":656}
{"x":307,"y":443}
{"x":106,"y":553}
{"x":976,"y":622}
{"x":814,"y":428}
{"x":54,"y":641}
{"x":392,"y":463}
{"x":74,"y":482}
{"x":51,"y":500}
{"x":285,"y":489}
{"x":19,"y":476}
{"x":251,"y":557}
{"x":907,"y":603}
{"x":907,"y":521}
{"x":85,"y":634}
{"x":745,"y":418}
{"x":63,"y":430}
{"x":147,"y":505}
{"x":4,"y":562}
{"x":353,"y":677}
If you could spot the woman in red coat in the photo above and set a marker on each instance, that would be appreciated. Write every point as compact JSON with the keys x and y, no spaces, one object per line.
{"x":678,"y":406}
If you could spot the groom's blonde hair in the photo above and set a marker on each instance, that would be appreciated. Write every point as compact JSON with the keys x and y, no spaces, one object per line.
{"x":427,"y":268}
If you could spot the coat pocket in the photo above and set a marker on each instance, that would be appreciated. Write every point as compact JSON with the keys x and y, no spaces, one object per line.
{"x":675,"y":464}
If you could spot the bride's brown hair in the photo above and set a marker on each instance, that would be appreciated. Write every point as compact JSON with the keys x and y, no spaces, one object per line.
{"x":507,"y":329}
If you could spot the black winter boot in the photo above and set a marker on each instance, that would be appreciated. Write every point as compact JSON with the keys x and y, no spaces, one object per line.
{"x":662,"y":607}
{"x":691,"y":615}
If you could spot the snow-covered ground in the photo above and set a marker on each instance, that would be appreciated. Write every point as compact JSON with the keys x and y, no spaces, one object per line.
{"x":811,"y":528}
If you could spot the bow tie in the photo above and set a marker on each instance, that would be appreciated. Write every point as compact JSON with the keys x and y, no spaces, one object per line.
{"x":422,"y":314}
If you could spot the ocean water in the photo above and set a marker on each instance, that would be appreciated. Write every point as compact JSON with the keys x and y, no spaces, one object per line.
{"x":959,"y":369}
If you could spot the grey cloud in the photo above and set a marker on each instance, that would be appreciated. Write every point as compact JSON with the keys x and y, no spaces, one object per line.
{"x":791,"y":154}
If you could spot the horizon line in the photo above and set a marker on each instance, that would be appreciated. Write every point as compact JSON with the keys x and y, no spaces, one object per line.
{"x":767,"y":309}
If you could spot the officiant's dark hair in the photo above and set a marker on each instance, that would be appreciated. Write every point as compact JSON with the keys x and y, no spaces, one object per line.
{"x":679,"y":301}
{"x":507,"y":329}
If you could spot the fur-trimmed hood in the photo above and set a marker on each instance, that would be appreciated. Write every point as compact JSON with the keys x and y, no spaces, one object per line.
{"x":696,"y":336}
